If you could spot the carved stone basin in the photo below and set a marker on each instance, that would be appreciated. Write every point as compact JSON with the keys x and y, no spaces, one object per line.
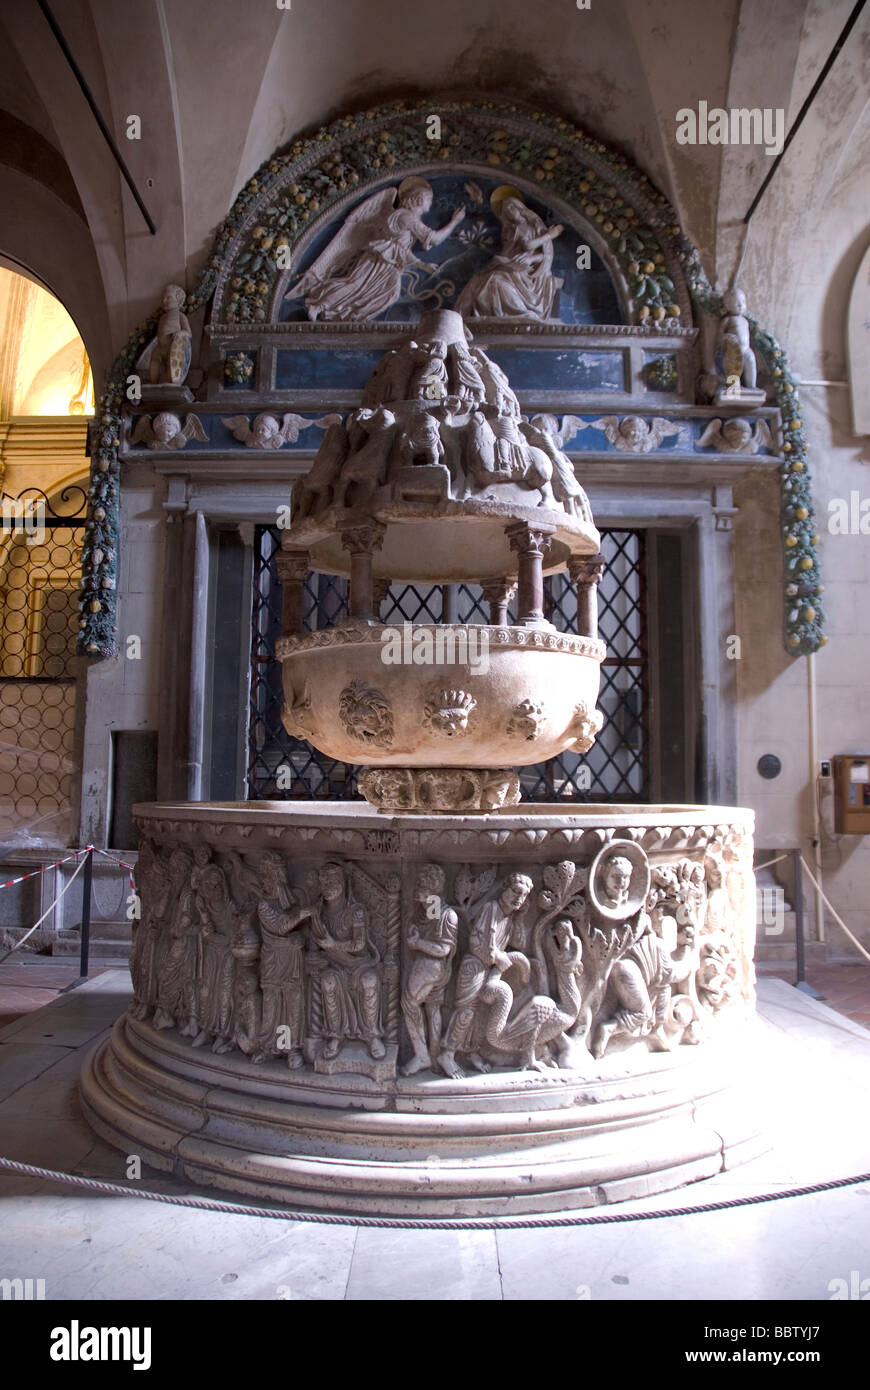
{"x":447,"y":696}
{"x":610,"y":1054}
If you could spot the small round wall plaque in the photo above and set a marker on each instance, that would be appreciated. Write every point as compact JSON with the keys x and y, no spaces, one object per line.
{"x":769,"y":766}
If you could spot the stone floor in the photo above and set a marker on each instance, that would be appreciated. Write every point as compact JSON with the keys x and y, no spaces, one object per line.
{"x":89,"y":1246}
{"x":845,"y":988}
{"x":27,"y":981}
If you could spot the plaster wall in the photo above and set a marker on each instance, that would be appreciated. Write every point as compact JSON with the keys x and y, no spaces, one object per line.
{"x":805,"y":245}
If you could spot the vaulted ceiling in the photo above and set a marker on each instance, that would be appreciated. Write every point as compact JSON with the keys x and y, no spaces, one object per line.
{"x":218,"y":87}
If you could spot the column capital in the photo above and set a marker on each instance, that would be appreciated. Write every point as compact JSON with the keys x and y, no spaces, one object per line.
{"x":585,"y":569}
{"x":529,"y":538}
{"x":292,"y":564}
{"x":364,"y":540}
{"x":498,"y":589}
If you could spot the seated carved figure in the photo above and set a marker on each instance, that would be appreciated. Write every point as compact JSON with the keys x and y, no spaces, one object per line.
{"x":347,"y":1004}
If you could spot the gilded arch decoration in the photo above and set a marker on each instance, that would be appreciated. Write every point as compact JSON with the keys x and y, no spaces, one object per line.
{"x":655,"y":270}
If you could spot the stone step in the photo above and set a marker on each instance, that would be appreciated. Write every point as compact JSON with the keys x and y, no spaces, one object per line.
{"x":99,"y":947}
{"x":107,"y":930}
{"x":782,"y":952}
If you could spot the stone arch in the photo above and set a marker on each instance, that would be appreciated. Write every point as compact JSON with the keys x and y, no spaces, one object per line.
{"x":319,"y":178}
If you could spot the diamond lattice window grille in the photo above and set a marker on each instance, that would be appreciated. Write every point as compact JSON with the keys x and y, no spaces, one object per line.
{"x":615,"y":768}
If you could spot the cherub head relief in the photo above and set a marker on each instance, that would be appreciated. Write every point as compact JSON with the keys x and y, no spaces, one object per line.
{"x":165,"y":431}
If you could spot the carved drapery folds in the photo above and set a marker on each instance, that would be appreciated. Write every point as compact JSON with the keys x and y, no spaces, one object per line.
{"x":406,"y":964}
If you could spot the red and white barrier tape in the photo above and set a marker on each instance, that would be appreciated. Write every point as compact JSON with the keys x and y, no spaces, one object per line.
{"x":45,"y":868}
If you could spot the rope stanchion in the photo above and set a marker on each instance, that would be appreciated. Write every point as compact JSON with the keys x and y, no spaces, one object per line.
{"x":121,"y":862}
{"x":450,"y":1223}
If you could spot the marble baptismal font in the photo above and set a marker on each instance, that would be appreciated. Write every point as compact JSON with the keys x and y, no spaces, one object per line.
{"x":438,"y":1000}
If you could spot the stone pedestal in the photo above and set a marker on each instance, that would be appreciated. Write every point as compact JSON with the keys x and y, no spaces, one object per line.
{"x":533,"y":1010}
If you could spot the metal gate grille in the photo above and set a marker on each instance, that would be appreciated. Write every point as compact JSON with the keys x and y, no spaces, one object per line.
{"x":615,"y":769}
{"x":40,"y":556}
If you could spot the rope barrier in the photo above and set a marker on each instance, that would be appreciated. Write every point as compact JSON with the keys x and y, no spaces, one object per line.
{"x":10,"y":882}
{"x":756,"y":868}
{"x":837,"y":918}
{"x":21,"y":940}
{"x":450,"y":1223}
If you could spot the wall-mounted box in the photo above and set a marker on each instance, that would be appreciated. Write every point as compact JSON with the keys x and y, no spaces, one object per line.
{"x":852,"y":793}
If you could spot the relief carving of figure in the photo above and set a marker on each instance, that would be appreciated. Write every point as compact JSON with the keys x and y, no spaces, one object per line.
{"x":429,"y":371}
{"x":170,"y":356}
{"x":389,"y":380}
{"x":468,"y":388}
{"x":282,"y":975}
{"x":488,"y":956}
{"x":717,"y":973}
{"x":315,"y":490}
{"x":247,"y":996}
{"x":359,"y":275}
{"x":166,"y":431}
{"x":216,"y":916}
{"x":518,"y":282}
{"x":633,"y":435}
{"x":153,"y":890}
{"x":420,"y":441}
{"x":737,"y":436}
{"x":265,"y":431}
{"x":499,"y":392}
{"x":431,"y":940}
{"x":177,"y":1003}
{"x":638,"y":996}
{"x":637,"y":981}
{"x":347,"y":967}
{"x":541,"y":1021}
{"x":542,"y":431}
{"x":517,"y":461}
{"x":367,"y":464}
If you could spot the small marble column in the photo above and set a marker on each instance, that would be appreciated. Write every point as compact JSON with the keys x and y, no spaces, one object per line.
{"x":585,"y":571}
{"x":361,"y":542}
{"x":498,"y":592}
{"x":531,"y":544}
{"x":293,"y":567}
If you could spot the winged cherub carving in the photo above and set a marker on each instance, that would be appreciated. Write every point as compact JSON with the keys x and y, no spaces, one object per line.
{"x":633,"y":435}
{"x":265,"y":432}
{"x":359,"y":274}
{"x":737,"y":436}
{"x":165,"y":431}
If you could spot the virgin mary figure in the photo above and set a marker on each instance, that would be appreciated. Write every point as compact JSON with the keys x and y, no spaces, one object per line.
{"x":359,"y":275}
{"x":519,"y":281}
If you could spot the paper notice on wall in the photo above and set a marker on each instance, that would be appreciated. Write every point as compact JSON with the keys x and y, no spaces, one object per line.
{"x":859,"y":772}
